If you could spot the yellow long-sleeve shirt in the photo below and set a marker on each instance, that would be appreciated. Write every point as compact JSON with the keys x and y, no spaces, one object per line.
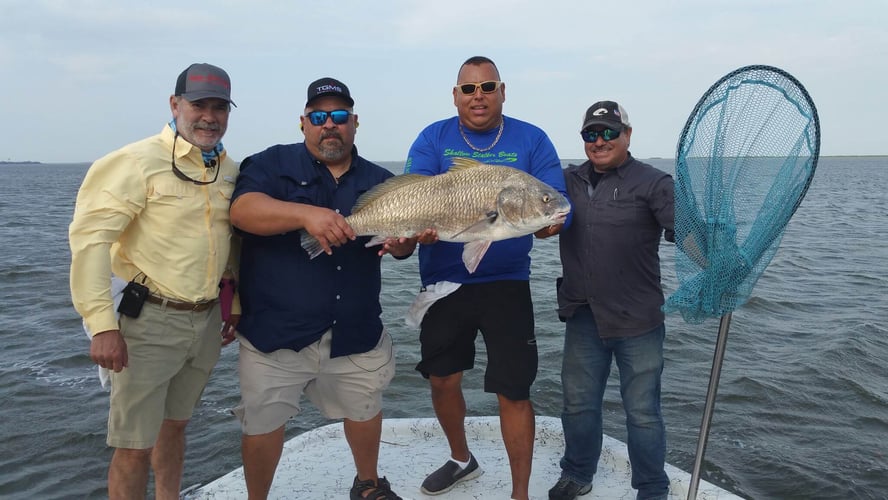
{"x":133,"y":215}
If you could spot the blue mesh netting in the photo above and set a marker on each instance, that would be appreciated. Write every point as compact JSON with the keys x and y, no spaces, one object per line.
{"x":745,"y":159}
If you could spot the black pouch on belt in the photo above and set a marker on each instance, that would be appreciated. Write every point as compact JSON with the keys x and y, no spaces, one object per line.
{"x":134,"y":295}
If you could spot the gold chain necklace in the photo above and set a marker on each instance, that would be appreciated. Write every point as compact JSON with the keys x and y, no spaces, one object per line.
{"x":488,"y":148}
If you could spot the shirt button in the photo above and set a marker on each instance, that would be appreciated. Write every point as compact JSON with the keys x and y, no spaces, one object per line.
{"x":337,"y":210}
{"x":339,"y":268}
{"x":338,"y":297}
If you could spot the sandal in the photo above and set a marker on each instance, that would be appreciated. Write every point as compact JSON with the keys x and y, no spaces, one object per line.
{"x":375,"y":490}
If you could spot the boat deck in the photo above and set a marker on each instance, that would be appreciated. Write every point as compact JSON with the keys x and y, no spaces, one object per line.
{"x":318,"y":465}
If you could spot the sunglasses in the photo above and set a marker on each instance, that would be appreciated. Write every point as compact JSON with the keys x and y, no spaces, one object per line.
{"x":318,"y":118}
{"x":607,"y":134}
{"x":486,"y":87}
{"x":213,"y":164}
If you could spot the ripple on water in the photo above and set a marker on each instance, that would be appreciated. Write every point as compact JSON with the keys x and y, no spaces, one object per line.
{"x":801,"y":407}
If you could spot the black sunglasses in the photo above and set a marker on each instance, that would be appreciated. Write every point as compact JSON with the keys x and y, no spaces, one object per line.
{"x":318,"y":118}
{"x":607,"y":134}
{"x":213,"y":164}
{"x":486,"y":87}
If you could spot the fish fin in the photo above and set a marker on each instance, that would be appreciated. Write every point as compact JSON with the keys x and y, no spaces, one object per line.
{"x":473,"y":252}
{"x":488,"y":219}
{"x":376,"y":240}
{"x":390,"y":184}
{"x":464,"y":163}
{"x":311,"y":244}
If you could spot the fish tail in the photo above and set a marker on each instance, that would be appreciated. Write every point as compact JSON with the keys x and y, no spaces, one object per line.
{"x":310,"y":244}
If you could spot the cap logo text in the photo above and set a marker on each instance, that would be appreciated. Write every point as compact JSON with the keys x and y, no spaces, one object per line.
{"x":329,"y":88}
{"x":212,"y":79}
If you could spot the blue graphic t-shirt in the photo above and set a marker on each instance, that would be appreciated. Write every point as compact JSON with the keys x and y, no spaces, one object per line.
{"x":523,"y":146}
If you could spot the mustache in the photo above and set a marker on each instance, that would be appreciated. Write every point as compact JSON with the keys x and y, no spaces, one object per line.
{"x":331,"y":133}
{"x":214,"y":127}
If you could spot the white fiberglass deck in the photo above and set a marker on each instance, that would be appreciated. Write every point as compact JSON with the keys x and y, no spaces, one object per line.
{"x":318,"y":465}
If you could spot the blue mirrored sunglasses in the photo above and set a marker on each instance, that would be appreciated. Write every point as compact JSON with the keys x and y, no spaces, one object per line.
{"x":319,"y":118}
{"x":607,"y":134}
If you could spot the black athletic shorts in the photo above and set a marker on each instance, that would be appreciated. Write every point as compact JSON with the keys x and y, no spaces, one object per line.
{"x":503,"y":312}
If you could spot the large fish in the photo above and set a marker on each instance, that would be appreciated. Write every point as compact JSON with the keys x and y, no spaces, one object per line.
{"x":474,"y":203}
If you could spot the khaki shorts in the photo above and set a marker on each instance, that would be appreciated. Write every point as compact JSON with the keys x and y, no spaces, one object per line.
{"x":171,"y":354}
{"x":343,"y":387}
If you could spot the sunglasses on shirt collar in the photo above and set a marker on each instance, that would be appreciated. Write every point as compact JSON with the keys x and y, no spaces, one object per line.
{"x":607,"y":134}
{"x":318,"y":118}
{"x":180,"y":174}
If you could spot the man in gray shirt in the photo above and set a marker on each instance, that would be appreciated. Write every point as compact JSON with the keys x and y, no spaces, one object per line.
{"x":610,"y":298}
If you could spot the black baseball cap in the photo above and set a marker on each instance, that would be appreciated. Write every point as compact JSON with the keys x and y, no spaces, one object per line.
{"x":201,"y":80}
{"x":607,"y":114}
{"x":328,"y":87}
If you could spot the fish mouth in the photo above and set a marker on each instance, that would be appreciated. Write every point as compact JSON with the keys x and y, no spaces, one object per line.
{"x":560,"y":217}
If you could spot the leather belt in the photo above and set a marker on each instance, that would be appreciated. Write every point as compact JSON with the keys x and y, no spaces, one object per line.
{"x":182,"y":306}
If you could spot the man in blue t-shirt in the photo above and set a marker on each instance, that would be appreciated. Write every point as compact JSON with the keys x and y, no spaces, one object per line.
{"x":311,"y":326}
{"x":495,"y":298}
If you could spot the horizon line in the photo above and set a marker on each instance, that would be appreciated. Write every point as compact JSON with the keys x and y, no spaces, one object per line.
{"x":37,"y":162}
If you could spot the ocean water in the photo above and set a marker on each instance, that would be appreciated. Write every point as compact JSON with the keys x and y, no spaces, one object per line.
{"x":802,"y":407}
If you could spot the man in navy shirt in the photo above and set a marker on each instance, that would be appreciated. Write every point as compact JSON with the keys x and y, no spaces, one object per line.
{"x":311,"y":326}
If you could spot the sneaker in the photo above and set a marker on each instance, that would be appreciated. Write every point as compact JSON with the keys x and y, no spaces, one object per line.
{"x":446,"y":477}
{"x":379,"y":490}
{"x":568,"y":489}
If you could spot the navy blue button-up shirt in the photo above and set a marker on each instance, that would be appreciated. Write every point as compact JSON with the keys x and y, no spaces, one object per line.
{"x":288,"y":300}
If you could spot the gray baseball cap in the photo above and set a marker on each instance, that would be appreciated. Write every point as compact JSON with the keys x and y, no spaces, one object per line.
{"x":201,"y":80}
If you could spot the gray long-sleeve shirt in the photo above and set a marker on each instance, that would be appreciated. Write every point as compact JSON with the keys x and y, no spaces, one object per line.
{"x":609,"y":254}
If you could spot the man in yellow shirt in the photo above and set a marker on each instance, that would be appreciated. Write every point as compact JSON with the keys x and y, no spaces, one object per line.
{"x":155,"y":213}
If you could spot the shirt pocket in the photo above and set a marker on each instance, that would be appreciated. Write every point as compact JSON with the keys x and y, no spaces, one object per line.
{"x":303,"y":190}
{"x":221,"y":202}
{"x":225,"y":190}
{"x":626,"y":210}
{"x":174,"y":194}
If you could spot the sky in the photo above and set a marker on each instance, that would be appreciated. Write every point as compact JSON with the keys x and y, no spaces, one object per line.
{"x":81,"y":78}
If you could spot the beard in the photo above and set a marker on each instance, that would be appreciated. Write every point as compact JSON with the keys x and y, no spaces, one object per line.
{"x":332,"y":150}
{"x":190,"y":132}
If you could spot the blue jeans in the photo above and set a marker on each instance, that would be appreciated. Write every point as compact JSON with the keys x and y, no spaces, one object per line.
{"x":584,"y":373}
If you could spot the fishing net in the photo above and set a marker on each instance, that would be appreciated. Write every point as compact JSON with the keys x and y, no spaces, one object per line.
{"x":745,"y":159}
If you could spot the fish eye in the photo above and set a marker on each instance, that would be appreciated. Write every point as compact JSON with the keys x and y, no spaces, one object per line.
{"x":546,"y":198}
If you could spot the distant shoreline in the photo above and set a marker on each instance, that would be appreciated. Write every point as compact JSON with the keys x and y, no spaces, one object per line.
{"x":658,"y":158}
